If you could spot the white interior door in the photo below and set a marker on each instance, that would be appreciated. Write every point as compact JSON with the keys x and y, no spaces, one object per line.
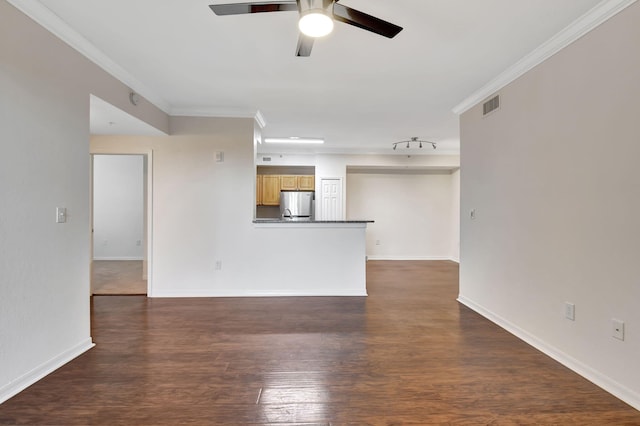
{"x":331,"y":199}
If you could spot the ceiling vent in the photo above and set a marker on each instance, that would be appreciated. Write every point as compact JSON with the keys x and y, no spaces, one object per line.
{"x":491,"y":105}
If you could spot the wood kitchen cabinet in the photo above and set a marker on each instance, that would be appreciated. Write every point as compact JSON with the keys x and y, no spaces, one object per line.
{"x":268,"y":187}
{"x":288,"y":182}
{"x":270,"y":190}
{"x":306,"y":182}
{"x":258,"y":190}
{"x":297,"y":182}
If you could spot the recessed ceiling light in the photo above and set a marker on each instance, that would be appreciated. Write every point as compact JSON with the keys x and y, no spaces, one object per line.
{"x":293,"y":140}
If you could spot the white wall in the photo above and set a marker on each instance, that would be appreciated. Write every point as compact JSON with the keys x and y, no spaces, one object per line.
{"x":413,"y":213}
{"x":118,"y":207}
{"x":553,"y":178}
{"x":44,"y":266}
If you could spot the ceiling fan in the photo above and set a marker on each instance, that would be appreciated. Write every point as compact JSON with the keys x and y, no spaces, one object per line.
{"x":316,"y":18}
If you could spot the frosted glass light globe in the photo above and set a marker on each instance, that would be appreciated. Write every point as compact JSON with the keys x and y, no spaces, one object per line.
{"x":315,"y":24}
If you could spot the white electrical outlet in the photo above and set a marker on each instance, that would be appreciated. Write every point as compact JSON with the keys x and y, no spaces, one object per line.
{"x":617,"y":328}
{"x":377,"y":242}
{"x":218,"y":265}
{"x":570,"y":311}
{"x":138,"y":242}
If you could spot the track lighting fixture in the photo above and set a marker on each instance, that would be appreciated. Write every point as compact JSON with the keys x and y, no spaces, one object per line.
{"x":414,"y":139}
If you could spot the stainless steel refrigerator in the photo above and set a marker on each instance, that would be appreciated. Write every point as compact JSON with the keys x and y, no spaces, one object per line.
{"x":297,"y":205}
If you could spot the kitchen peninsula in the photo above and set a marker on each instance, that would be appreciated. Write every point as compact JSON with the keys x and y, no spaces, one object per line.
{"x":314,"y":257}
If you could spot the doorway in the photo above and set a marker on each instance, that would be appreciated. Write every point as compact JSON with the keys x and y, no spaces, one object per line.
{"x":120,"y":223}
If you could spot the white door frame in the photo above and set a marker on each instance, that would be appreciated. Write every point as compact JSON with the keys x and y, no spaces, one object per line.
{"x":148,"y":153}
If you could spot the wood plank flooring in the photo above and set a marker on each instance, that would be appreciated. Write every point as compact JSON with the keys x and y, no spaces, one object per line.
{"x":407,"y":354}
{"x":114,"y":277}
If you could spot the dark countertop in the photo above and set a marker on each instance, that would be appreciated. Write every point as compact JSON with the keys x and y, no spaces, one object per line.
{"x":278,"y":220}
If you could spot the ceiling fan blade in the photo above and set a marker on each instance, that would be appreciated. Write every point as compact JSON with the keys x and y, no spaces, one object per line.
{"x":254,"y":7}
{"x":305,"y":43}
{"x":366,"y":22}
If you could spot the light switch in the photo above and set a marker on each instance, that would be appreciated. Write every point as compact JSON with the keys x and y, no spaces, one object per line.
{"x":61,"y":214}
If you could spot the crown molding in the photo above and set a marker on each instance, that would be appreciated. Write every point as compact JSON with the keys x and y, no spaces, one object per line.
{"x":52,"y":23}
{"x":581,"y":26}
{"x":220,"y":112}
{"x":260,"y":119}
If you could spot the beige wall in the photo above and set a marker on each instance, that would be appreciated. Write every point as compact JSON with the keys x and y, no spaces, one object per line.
{"x":413,"y":213}
{"x":455,"y":215}
{"x":553,"y":178}
{"x":44,"y":267}
{"x":203,"y":213}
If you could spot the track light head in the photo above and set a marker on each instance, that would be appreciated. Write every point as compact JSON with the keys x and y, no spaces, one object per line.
{"x":395,"y":145}
{"x":408,"y":145}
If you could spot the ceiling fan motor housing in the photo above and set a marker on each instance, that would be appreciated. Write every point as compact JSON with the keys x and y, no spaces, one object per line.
{"x":306,"y":6}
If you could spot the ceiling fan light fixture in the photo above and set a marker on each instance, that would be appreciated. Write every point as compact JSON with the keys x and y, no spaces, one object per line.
{"x":315,"y":23}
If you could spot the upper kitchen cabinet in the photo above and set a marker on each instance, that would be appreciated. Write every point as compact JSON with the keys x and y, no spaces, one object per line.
{"x":270,"y":180}
{"x":288,"y":182}
{"x":258,"y":190}
{"x":297,"y":182}
{"x":306,"y":183}
{"x":270,"y":190}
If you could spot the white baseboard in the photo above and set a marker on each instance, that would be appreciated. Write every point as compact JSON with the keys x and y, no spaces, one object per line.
{"x":21,"y":383}
{"x":119,"y":258}
{"x":616,"y":389}
{"x":205,"y":293}
{"x":408,"y":258}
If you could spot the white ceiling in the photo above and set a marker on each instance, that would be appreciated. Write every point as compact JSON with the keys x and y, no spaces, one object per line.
{"x":358,"y":90}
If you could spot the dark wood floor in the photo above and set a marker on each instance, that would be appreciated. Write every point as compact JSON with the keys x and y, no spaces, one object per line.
{"x":407,"y":354}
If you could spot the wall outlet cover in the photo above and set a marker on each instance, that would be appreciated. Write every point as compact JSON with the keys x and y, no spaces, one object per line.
{"x":570,"y":311}
{"x":617,"y":328}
